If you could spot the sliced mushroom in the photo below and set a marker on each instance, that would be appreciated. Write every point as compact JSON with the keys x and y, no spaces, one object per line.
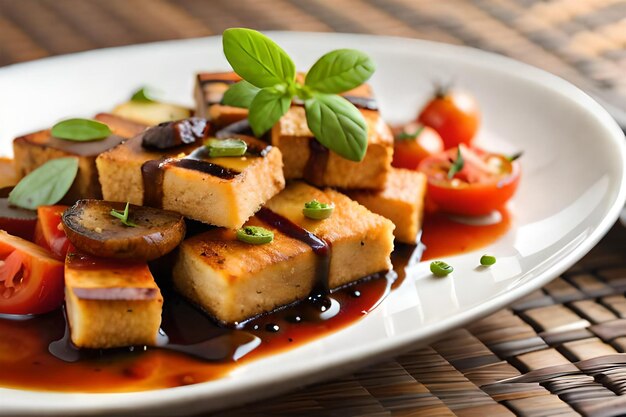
{"x":91,"y":228}
{"x":172,"y":134}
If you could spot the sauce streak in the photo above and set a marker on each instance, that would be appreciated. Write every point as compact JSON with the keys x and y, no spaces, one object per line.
{"x":320,"y":247}
{"x":315,"y":167}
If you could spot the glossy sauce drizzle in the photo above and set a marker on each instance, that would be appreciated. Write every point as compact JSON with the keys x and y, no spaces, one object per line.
{"x":320,"y":247}
{"x":35,"y":352}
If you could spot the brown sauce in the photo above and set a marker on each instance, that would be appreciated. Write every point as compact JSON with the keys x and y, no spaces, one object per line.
{"x":35,"y":353}
{"x":315,"y":167}
{"x":320,"y":247}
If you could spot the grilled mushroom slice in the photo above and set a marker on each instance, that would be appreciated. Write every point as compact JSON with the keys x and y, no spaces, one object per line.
{"x":147,"y":234}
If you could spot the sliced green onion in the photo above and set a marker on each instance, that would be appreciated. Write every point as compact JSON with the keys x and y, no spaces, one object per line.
{"x":457,"y":165}
{"x":226,"y":147}
{"x":440,"y":268}
{"x":123,"y":216}
{"x":487,"y":260}
{"x":317,"y":211}
{"x":255,"y":235}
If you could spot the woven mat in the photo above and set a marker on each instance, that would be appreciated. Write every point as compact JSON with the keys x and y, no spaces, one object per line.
{"x":560,"y":342}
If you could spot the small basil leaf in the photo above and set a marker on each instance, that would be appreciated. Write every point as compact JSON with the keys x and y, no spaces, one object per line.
{"x":340,"y":70}
{"x":515,"y":156}
{"x":337,"y":125}
{"x":80,"y":130}
{"x":256,"y":58}
{"x":141,"y":96}
{"x":266,"y":109}
{"x":240,"y":94}
{"x":457,"y":165}
{"x":46,"y":185}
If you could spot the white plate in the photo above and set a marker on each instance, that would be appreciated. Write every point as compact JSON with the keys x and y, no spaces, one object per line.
{"x":572,"y":190}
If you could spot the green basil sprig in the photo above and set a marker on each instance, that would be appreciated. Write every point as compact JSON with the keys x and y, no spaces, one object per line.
{"x":142,"y":96}
{"x":46,"y":185}
{"x":269,"y":85}
{"x":80,"y":130}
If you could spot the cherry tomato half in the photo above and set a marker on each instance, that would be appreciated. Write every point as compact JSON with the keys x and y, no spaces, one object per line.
{"x":454,"y":115}
{"x":413,"y":143}
{"x":49,"y":233}
{"x":31,"y":280}
{"x":485,"y":183}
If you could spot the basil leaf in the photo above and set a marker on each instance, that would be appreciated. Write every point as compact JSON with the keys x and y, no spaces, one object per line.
{"x":240,"y":94}
{"x":515,"y":156}
{"x":340,"y":70}
{"x":80,"y":130}
{"x":266,"y":109}
{"x":46,"y":185}
{"x":337,"y":125}
{"x":256,"y":58}
{"x":457,"y":165}
{"x":141,"y":96}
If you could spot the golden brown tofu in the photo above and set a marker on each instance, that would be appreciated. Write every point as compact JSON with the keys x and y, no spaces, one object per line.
{"x":303,"y":157}
{"x":234,"y":281}
{"x":120,"y":126}
{"x":401,"y":201}
{"x":33,"y":150}
{"x":220,"y":191}
{"x":8,"y":177}
{"x":209,"y":90}
{"x":110,"y":303}
{"x":151,"y":113}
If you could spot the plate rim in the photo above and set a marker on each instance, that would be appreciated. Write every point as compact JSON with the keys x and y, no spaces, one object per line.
{"x":195,"y":395}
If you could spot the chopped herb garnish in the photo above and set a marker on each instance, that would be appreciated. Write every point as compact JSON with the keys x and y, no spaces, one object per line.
{"x":487,"y":260}
{"x":255,"y":235}
{"x":410,"y":136}
{"x":46,"y":185}
{"x":123,"y":216}
{"x":225,"y":147}
{"x":515,"y":156}
{"x":440,"y":268}
{"x":141,"y":96}
{"x":80,"y":130}
{"x":270,"y":85}
{"x":457,"y":164}
{"x":317,"y":211}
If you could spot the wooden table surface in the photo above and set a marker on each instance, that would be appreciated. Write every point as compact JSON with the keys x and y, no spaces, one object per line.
{"x":565,"y":343}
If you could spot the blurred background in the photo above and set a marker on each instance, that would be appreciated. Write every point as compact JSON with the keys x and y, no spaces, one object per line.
{"x":583,"y":41}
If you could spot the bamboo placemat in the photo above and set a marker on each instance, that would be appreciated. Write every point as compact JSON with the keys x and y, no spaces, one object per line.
{"x":557,"y":352}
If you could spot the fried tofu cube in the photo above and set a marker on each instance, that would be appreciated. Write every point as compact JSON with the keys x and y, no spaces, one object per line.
{"x":35,"y":149}
{"x":188,"y":184}
{"x":209,"y":90}
{"x":151,"y":113}
{"x":110,"y":303}
{"x":401,"y":201}
{"x":234,"y":281}
{"x":304,"y":158}
{"x":361,"y":241}
{"x":8,"y":177}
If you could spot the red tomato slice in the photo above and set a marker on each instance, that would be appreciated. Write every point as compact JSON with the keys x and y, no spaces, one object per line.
{"x":49,"y":233}
{"x":31,"y":280}
{"x":486,"y":182}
